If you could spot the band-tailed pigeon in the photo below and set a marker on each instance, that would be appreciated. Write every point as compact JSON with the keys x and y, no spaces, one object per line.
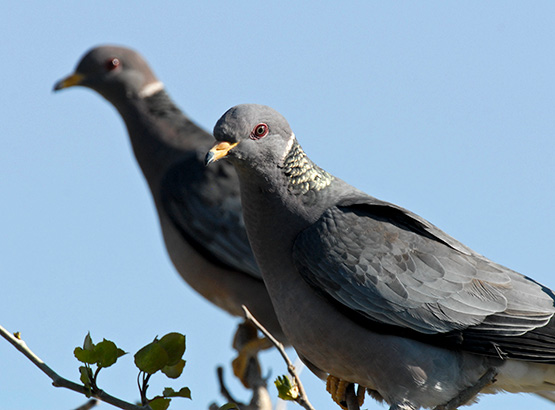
{"x":199,"y":208}
{"x":374,"y":294}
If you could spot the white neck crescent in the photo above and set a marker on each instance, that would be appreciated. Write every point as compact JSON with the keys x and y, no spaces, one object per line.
{"x":151,"y":89}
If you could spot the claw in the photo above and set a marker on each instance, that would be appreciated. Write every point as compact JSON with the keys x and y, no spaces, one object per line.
{"x":248,"y":344}
{"x":338,"y":388}
{"x":241,"y":366}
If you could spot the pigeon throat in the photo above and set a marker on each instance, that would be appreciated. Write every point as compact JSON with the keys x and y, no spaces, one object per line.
{"x":301,"y":173}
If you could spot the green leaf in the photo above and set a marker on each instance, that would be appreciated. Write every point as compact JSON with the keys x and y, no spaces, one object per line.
{"x":88,"y":343}
{"x":174,"y":344}
{"x":151,"y":358}
{"x":159,"y":403}
{"x":229,"y":406}
{"x":183,"y":392}
{"x":173,"y":372}
{"x":85,"y":356}
{"x":104,"y":354}
{"x":86,"y":379}
{"x":107,"y":353}
{"x":85,"y":376}
{"x":287,"y":390}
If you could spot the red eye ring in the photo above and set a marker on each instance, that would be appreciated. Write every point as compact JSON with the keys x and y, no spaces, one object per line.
{"x":260,"y":131}
{"x":112,"y":64}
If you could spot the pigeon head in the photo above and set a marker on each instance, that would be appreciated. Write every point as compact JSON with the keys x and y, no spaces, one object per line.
{"x":251,"y":134}
{"x":258,"y":139}
{"x":114,"y":72}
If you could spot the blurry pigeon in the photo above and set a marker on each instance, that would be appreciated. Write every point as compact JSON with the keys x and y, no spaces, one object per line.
{"x":374,"y":294}
{"x":199,"y":208}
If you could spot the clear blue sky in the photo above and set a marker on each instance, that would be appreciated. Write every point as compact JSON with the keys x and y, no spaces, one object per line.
{"x":446,"y":108}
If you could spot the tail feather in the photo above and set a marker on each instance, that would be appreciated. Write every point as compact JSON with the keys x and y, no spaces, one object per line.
{"x":548,"y":395}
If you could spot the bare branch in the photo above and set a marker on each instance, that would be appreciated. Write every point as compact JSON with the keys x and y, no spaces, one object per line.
{"x":302,"y":399}
{"x":58,"y":381}
{"x":223,"y":389}
{"x":260,"y":398}
{"x":88,"y":405}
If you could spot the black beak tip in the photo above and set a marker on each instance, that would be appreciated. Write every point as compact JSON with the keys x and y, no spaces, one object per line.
{"x":209,"y":158}
{"x":58,"y":86}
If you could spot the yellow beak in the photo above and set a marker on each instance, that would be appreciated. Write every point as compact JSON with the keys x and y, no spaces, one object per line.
{"x":218,"y":151}
{"x":69,"y":81}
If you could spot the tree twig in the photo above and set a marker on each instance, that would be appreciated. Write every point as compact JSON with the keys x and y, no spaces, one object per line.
{"x":302,"y":399}
{"x":88,"y":405}
{"x":260,"y":397}
{"x":223,"y":389}
{"x":58,"y":381}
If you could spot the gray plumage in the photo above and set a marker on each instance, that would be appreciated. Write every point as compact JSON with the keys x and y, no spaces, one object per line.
{"x":374,"y":294}
{"x":199,"y":208}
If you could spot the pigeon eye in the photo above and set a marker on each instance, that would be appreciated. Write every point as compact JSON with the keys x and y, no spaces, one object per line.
{"x":112,"y":64}
{"x":261,"y":130}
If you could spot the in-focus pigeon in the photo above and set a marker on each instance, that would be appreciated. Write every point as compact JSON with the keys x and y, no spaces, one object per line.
{"x":199,"y":208}
{"x":374,"y":294}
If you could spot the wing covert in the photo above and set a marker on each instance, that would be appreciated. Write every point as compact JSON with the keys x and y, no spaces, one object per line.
{"x":205,"y":205}
{"x":378,"y":262}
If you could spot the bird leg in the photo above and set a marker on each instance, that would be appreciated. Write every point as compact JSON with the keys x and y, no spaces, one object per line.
{"x":248,"y":344}
{"x":469,"y":393}
{"x":343,"y":393}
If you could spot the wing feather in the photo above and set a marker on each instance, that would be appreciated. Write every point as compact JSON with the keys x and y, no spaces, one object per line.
{"x":394,"y":270}
{"x":205,"y":205}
